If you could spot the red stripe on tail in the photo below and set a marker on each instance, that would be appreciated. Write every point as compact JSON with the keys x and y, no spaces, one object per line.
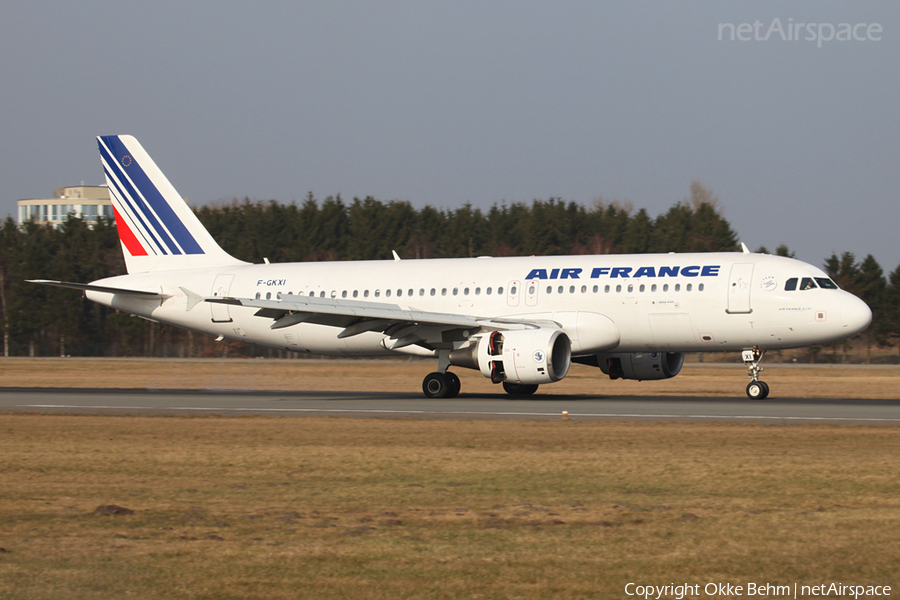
{"x":128,"y":239}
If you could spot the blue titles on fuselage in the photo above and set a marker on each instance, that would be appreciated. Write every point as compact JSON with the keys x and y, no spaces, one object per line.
{"x":627,"y":272}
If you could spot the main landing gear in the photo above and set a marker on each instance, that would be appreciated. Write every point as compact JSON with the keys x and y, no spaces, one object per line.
{"x":756,"y":389}
{"x":519,"y":389}
{"x":441,"y":385}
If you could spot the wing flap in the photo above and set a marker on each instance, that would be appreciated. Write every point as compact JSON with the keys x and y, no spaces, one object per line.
{"x":391,"y":313}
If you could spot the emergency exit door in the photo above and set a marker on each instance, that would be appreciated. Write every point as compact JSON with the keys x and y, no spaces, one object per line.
{"x":220,"y":289}
{"x":739,"y":288}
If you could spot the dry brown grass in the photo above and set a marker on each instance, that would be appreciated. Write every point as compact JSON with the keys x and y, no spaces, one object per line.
{"x":341,"y":508}
{"x":400,"y":376}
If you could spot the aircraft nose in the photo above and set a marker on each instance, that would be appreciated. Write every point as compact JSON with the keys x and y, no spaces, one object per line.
{"x":855,"y":315}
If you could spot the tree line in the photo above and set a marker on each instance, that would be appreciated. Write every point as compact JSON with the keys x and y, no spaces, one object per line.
{"x":45,"y":321}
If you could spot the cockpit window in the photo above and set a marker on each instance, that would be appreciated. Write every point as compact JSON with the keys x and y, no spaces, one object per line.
{"x":790,"y":285}
{"x":807,"y":284}
{"x":826,"y":284}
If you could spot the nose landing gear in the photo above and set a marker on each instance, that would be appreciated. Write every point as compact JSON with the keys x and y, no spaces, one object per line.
{"x":756,"y":389}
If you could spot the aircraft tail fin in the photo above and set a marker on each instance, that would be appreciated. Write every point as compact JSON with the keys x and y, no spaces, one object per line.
{"x":157,"y":228}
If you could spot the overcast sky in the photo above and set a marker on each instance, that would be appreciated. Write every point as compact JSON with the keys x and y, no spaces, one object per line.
{"x":444,"y":103}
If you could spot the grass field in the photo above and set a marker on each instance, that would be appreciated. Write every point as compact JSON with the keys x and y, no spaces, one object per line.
{"x":327,"y":508}
{"x":404,"y":376}
{"x":342,"y":508}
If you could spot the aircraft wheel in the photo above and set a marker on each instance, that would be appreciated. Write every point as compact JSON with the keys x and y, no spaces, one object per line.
{"x":519,"y":389}
{"x":757,"y":390}
{"x":436,"y":385}
{"x":455,"y":384}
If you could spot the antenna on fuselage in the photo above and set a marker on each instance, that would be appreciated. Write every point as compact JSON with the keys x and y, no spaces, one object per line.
{"x":745,"y":249}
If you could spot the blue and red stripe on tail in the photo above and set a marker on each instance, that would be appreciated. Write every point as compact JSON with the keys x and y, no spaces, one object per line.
{"x":157,"y":229}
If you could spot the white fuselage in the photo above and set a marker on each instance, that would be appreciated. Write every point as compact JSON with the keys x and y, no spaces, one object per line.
{"x":657,"y":302}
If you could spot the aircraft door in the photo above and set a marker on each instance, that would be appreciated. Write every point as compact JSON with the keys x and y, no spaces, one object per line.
{"x":531,"y":292}
{"x":513,"y":292}
{"x":739,"y":288}
{"x":220,"y":288}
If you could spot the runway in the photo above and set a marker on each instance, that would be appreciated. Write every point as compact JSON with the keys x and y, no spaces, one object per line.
{"x":774,"y":411}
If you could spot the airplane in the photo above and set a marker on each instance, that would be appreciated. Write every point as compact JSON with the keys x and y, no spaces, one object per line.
{"x":520,"y":321}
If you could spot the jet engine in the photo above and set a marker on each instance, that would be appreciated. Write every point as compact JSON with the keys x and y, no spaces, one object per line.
{"x":528,"y":357}
{"x":642,"y":366}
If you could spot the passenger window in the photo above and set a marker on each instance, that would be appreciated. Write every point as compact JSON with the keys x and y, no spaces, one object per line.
{"x":596,"y":288}
{"x":531,"y":290}
{"x":605,"y":289}
{"x":366,"y":294}
{"x":807,"y":284}
{"x":344,"y":294}
{"x":560,"y":290}
{"x":584,"y":289}
{"x":466,"y":292}
{"x":549,"y":289}
{"x":488,"y":291}
{"x":653,"y":288}
{"x":355,"y":293}
{"x":571,"y":289}
{"x":500,"y":290}
{"x":387,"y":293}
{"x":665,"y":287}
{"x":455,"y":291}
{"x":443,"y":291}
{"x":410,"y":292}
{"x":677,"y":287}
{"x":333,"y":294}
{"x":268,"y":295}
{"x":377,"y":293}
{"x":630,"y":288}
{"x":826,"y":284}
{"x":689,"y":287}
{"x":433,"y":291}
{"x":642,"y":288}
{"x":258,"y":295}
{"x":790,"y":285}
{"x":512,"y":290}
{"x":478,"y":291}
{"x":422,"y":291}
{"x":700,"y":287}
{"x":619,"y":288}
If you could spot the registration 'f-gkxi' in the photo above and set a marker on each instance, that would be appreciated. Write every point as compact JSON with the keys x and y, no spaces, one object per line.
{"x":521,"y":321}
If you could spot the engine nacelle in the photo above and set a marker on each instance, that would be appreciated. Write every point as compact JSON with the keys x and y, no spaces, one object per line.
{"x":531,"y":356}
{"x":642,"y":366}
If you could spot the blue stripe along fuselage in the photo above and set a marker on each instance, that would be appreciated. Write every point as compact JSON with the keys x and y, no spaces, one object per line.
{"x":626,"y":272}
{"x":148,"y":190}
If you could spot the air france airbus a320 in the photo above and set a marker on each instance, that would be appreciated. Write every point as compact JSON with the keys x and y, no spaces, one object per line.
{"x":521,"y":321}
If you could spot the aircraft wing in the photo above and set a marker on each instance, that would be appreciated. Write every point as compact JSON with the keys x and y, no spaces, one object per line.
{"x":86,"y":287}
{"x":405,"y":326}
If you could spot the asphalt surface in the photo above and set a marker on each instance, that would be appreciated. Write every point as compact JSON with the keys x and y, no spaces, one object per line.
{"x":772,"y":411}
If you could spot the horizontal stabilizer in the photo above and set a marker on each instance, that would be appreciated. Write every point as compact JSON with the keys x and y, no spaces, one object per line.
{"x":86,"y":287}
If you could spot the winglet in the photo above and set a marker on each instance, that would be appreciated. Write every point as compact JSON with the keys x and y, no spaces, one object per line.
{"x":396,"y":256}
{"x":744,"y":248}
